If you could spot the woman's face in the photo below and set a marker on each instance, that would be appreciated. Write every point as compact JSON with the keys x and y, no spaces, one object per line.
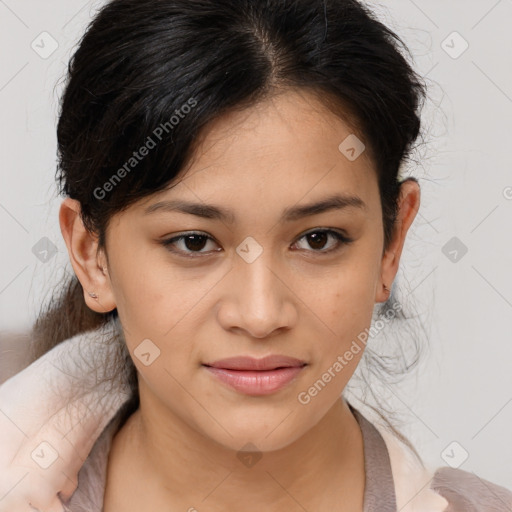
{"x":252,"y":284}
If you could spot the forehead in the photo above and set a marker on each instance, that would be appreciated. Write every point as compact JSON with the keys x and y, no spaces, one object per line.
{"x":282,"y":151}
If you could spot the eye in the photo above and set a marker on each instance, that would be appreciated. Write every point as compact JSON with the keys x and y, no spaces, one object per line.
{"x":317,"y":240}
{"x":190,"y":243}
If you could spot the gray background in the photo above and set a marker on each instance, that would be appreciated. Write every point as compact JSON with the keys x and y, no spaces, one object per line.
{"x":462,"y":392}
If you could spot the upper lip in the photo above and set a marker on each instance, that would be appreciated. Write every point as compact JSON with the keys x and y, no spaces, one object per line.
{"x":250,"y":363}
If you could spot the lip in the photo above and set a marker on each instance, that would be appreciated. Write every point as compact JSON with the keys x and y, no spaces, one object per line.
{"x":256,"y":376}
{"x":270,"y":362}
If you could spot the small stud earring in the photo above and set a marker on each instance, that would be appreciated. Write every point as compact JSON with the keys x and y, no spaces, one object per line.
{"x":93,"y":295}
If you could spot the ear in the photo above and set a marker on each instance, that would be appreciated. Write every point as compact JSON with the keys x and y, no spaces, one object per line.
{"x":408,"y":206}
{"x":89,"y":264}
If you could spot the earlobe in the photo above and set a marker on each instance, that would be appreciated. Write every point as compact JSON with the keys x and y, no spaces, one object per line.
{"x":383,"y":291}
{"x":83,"y":253}
{"x":408,"y":206}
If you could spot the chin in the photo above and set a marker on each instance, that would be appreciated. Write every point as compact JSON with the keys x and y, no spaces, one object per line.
{"x":266,"y":432}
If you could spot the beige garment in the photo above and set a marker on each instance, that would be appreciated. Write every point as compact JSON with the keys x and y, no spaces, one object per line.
{"x":35,"y":411}
{"x":394,"y":480}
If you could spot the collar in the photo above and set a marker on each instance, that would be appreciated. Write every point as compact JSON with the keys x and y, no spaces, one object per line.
{"x":46,"y":434}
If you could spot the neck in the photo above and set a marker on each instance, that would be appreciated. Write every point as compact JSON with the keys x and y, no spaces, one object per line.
{"x":176,"y":464}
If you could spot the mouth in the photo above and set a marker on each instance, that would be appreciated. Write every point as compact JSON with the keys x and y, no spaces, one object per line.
{"x":256,"y":377}
{"x":247,"y":363}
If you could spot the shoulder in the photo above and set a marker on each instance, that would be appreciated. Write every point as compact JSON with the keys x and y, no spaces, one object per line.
{"x":92,"y":477}
{"x":467,"y":492}
{"x":444,"y":489}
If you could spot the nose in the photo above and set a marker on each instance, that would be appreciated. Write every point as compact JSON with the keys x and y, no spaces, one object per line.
{"x":258,"y":301}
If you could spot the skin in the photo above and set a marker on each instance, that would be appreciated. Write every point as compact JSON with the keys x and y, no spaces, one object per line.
{"x":178,"y":450}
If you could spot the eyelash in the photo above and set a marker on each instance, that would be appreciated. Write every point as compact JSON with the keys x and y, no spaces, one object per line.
{"x":341,"y":239}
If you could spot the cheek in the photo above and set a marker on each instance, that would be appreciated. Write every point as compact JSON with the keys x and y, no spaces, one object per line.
{"x":153,"y":295}
{"x":350,"y":320}
{"x":160,"y":309}
{"x":347,"y":314}
{"x":345,"y":301}
{"x":345,"y":306}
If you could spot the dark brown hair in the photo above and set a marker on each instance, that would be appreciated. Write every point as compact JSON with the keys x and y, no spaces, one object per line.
{"x":140,"y":62}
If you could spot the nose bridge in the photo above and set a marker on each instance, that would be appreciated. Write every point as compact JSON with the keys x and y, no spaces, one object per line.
{"x":256,"y":278}
{"x":259,"y":275}
{"x":260,"y":298}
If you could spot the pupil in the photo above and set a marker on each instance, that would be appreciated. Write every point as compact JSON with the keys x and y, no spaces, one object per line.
{"x":198,"y":245}
{"x":316,"y":237}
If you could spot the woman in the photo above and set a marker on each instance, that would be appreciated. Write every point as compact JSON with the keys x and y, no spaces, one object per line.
{"x":234,"y":212}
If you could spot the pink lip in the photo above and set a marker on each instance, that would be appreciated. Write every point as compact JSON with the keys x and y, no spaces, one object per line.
{"x":250,"y":363}
{"x":256,"y":376}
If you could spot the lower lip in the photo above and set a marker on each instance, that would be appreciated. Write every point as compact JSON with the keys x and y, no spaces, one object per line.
{"x":262,"y":382}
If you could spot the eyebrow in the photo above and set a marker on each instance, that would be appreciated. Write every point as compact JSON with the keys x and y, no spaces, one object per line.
{"x":209,"y":211}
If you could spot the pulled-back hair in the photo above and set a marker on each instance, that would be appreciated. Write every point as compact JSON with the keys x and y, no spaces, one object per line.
{"x":162,"y":70}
